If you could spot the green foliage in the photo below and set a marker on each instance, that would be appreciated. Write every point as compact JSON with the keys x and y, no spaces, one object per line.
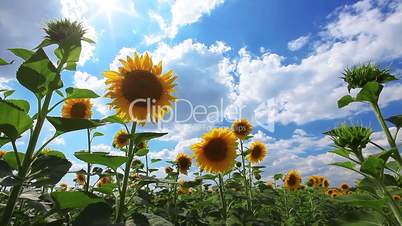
{"x":3,"y":62}
{"x":15,"y":119}
{"x":101,"y":158}
{"x":80,"y":93}
{"x":48,"y":169}
{"x":64,"y":125}
{"x":25,"y":54}
{"x":39,"y":75}
{"x":74,"y":199}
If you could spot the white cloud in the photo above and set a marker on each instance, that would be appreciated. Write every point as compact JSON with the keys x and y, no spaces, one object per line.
{"x":123,"y":53}
{"x":58,"y":141}
{"x":3,"y":83}
{"x":298,"y":43}
{"x":308,"y":91}
{"x":183,"y":12}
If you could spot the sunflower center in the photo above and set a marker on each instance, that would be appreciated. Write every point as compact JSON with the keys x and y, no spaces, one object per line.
{"x":184,"y":163}
{"x":256,"y":152}
{"x":123,"y":138}
{"x":292,"y":180}
{"x":78,"y":110}
{"x":139,"y":85}
{"x":241,"y":129}
{"x":216,"y":150}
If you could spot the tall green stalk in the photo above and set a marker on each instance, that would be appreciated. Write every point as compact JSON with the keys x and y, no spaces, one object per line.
{"x":384,"y":126}
{"x":120,"y":210}
{"x":88,"y":165}
{"x":175,"y":196}
{"x":222,"y":195}
{"x":26,"y":164}
{"x":246,"y":186}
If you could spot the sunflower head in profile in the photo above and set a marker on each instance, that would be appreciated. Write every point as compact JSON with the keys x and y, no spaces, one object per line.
{"x":80,"y":178}
{"x":103,"y":181}
{"x":77,"y":108}
{"x":139,"y":91}
{"x":183,"y":162}
{"x":325,"y":183}
{"x":63,"y":187}
{"x":257,"y":152}
{"x":216,"y":152}
{"x":2,"y":153}
{"x":121,"y":139}
{"x":313,"y":181}
{"x":168,"y":170}
{"x":330,"y":191}
{"x":292,"y":180}
{"x":344,"y":187}
{"x":63,"y":31}
{"x":242,"y":128}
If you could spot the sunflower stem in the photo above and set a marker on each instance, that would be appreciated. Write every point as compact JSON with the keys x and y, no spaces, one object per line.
{"x":245,"y":175}
{"x":250,"y":195}
{"x":221,"y":192}
{"x":120,"y":210}
{"x":384,"y":126}
{"x":88,"y":165}
{"x":17,"y":157}
{"x":175,"y":196}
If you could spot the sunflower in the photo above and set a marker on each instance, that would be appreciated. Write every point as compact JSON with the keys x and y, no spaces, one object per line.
{"x":103,"y":180}
{"x":313,"y":181}
{"x":396,"y":197}
{"x":242,"y":128}
{"x":344,"y":186}
{"x":2,"y":153}
{"x":292,"y":180}
{"x":257,"y":152}
{"x":168,"y":170}
{"x":139,"y":90}
{"x":63,"y":187}
{"x":121,"y":139}
{"x":216,"y":152}
{"x":77,"y":108}
{"x":330,"y":191}
{"x":325,"y":183}
{"x":183,"y":162}
{"x":80,"y":179}
{"x":334,"y":194}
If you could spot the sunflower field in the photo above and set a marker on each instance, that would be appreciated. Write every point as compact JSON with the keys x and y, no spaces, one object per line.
{"x":227,"y":189}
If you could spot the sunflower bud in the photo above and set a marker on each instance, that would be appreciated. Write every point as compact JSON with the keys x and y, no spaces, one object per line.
{"x":350,"y":137}
{"x":65,"y":32}
{"x":238,"y":164}
{"x":359,"y":76}
{"x":257,"y":176}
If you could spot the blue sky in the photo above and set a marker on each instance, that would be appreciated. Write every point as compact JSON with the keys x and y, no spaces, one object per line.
{"x":276,"y":58}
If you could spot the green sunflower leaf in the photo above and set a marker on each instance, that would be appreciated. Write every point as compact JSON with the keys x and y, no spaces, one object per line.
{"x":80,"y":93}
{"x":101,"y":158}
